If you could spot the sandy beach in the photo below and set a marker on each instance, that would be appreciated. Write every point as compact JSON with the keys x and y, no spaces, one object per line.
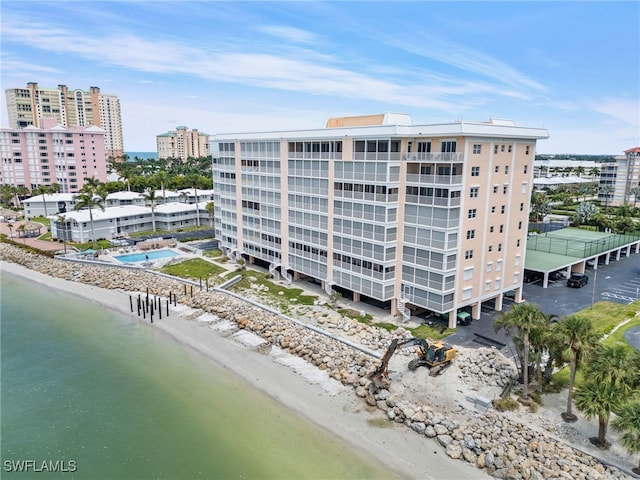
{"x":301,"y":388}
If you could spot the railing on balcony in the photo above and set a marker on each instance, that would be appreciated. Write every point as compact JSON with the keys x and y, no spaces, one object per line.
{"x":434,"y":179}
{"x":434,"y":157}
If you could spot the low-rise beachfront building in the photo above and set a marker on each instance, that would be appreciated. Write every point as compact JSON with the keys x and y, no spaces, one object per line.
{"x":55,"y":203}
{"x":121,"y":221}
{"x":417,"y":218}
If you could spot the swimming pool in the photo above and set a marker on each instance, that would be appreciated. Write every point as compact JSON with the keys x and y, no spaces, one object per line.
{"x":143,"y":257}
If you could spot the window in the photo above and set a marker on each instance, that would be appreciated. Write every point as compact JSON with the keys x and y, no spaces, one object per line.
{"x":491,"y":229}
{"x":526,"y":150}
{"x":501,"y":228}
{"x":495,"y":189}
{"x":490,"y":248}
{"x":499,"y":266}
{"x":497,"y":168}
{"x":499,"y":247}
{"x":501,"y":148}
{"x":475,"y":171}
{"x":506,"y":169}
{"x":471,"y":234}
{"x":468,"y":273}
{"x":466,"y":293}
{"x":517,"y":259}
{"x":505,"y":188}
{"x":473,"y":193}
{"x":509,"y":149}
{"x":519,"y":225}
{"x":524,"y":188}
{"x":493,"y":209}
{"x":468,"y":254}
{"x":472,"y":213}
{"x":522,"y":207}
{"x":487,"y":286}
{"x":502,"y":208}
{"x":489,"y":266}
{"x":448,"y":146}
{"x":518,"y":243}
{"x":477,"y":149}
{"x":495,"y":149}
{"x":526,"y":168}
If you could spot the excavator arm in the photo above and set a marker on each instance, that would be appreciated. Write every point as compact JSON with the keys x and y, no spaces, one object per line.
{"x":380,"y":375}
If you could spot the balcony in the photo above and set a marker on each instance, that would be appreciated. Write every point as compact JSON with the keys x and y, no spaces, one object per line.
{"x":434,"y":179}
{"x":434,"y":157}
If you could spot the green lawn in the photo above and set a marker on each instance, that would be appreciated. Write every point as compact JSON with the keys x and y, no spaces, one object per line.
{"x":252,"y":276}
{"x":195,"y":268}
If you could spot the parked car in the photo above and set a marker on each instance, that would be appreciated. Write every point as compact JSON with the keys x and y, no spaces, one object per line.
{"x":577,"y":280}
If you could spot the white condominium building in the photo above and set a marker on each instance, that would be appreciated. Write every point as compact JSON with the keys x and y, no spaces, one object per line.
{"x":71,"y":108}
{"x":429,"y":217}
{"x":620,"y":180}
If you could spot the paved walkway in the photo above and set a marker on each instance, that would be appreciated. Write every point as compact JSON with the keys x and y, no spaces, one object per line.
{"x":31,"y":241}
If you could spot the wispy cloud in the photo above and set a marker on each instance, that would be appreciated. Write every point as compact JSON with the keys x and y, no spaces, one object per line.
{"x":290,"y":34}
{"x":469,"y":60}
{"x":19,"y":67}
{"x":625,"y":110}
{"x":291,"y":69}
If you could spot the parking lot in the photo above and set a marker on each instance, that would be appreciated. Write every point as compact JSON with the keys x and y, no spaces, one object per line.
{"x":617,"y":282}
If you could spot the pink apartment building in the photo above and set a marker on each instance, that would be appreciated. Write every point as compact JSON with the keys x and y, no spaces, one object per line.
{"x":51,"y":153}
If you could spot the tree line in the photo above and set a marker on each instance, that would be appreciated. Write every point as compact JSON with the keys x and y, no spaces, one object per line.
{"x":611,"y":372}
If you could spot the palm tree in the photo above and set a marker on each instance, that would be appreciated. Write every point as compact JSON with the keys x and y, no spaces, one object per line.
{"x":210,"y":211}
{"x":594,"y":172}
{"x":163,"y":179}
{"x":44,"y":190}
{"x":525,"y":317}
{"x":88,"y":199}
{"x":150,"y":197}
{"x":579,"y":171}
{"x":578,"y":335}
{"x":599,"y":399}
{"x":614,"y":365}
{"x":627,"y":421}
{"x":539,"y":339}
{"x":606,"y":191}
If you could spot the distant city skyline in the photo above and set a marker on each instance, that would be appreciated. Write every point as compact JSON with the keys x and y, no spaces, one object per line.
{"x":570,"y":67}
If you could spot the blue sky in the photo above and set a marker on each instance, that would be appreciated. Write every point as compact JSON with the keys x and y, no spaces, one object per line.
{"x":570,"y":67}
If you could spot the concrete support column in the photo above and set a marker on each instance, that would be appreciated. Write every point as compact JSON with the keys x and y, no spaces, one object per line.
{"x":296,"y":275}
{"x":252,"y":259}
{"x":394,"y":307}
{"x":618,"y":254}
{"x":476,"y":310}
{"x":498,"y":303}
{"x":545,"y":280}
{"x":356,"y":296}
{"x":452,"y":319}
{"x":607,"y":258}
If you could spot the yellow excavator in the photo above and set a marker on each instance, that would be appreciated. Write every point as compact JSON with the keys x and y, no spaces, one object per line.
{"x":435,"y":355}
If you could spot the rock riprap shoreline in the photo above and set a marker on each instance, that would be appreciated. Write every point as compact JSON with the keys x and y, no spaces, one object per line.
{"x":450,"y":408}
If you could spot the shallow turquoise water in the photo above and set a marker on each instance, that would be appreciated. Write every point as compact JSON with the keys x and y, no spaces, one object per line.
{"x":124,"y":401}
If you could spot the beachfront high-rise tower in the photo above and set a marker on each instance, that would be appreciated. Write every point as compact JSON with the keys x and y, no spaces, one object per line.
{"x":410,"y":217}
{"x":70,"y":108}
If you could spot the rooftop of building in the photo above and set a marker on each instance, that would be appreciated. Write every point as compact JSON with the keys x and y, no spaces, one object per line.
{"x":398,"y":125}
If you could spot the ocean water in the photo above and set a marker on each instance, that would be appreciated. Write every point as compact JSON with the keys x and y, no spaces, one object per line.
{"x":103,"y":396}
{"x":143,"y":155}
